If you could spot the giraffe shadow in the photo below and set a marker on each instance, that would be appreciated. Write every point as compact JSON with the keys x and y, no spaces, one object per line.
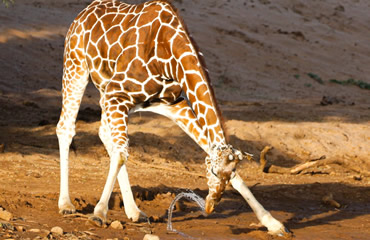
{"x":285,"y":201}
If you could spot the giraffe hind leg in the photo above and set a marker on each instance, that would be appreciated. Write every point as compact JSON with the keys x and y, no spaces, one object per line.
{"x":73,"y":90}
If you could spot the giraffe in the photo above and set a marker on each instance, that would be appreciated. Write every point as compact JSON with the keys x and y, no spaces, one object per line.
{"x":141,"y":58}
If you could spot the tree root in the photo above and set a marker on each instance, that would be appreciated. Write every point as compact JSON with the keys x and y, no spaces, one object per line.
{"x":313,"y":163}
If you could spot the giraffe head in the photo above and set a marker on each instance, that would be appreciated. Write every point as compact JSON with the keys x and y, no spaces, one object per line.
{"x":221,"y":166}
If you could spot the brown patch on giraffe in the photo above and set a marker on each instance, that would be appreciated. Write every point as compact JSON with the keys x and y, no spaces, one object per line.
{"x":166,"y":17}
{"x":130,"y":38}
{"x":90,"y":20}
{"x":152,"y":87}
{"x":137,"y":71}
{"x":102,"y":48}
{"x":105,"y":70}
{"x":147,"y":46}
{"x":95,"y":77}
{"x":130,"y":86}
{"x":139,"y":8}
{"x":108,"y":21}
{"x":122,"y":62}
{"x":129,"y":21}
{"x":114,"y":51}
{"x":97,"y":62}
{"x":73,"y":41}
{"x":112,"y":10}
{"x":113,"y":34}
{"x":97,"y":32}
{"x":156,"y":67}
{"x":150,"y":15}
{"x":179,"y":46}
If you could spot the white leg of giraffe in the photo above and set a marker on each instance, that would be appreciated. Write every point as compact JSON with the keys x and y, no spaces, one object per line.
{"x":116,"y":114}
{"x":104,"y":133}
{"x":73,"y":90}
{"x":131,"y":209}
{"x":274,"y":226}
{"x":101,"y":209}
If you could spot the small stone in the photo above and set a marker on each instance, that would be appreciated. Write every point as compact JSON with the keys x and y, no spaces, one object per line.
{"x":20,"y":228}
{"x":35,"y":230}
{"x":116,"y":225}
{"x":5,"y":215}
{"x":57,"y":230}
{"x":150,"y":237}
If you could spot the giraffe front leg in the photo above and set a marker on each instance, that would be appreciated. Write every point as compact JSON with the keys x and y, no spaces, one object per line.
{"x":274,"y":226}
{"x":116,"y":110}
{"x":73,"y":90}
{"x":132,"y":211}
{"x":64,"y":203}
{"x":117,"y":160}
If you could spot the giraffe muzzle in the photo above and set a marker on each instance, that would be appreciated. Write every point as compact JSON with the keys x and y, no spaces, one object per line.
{"x":210,"y":205}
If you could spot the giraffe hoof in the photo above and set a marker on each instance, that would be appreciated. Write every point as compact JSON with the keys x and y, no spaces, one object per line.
{"x":97,"y":221}
{"x":67,"y":209}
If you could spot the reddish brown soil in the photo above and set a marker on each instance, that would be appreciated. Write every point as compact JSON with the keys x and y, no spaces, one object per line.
{"x":259,"y":54}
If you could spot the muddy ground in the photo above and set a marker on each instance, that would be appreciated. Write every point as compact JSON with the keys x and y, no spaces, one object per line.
{"x":271,"y":63}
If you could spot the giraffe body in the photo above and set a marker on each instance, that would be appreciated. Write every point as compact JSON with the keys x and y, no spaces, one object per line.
{"x":140,"y":58}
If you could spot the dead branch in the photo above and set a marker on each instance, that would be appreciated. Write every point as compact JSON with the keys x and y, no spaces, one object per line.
{"x":313,"y":163}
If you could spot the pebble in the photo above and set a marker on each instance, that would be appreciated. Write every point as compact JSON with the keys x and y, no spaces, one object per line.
{"x":5,"y":215}
{"x":57,"y":230}
{"x":20,"y":228}
{"x":116,"y":225}
{"x":35,"y":230}
{"x":151,"y":237}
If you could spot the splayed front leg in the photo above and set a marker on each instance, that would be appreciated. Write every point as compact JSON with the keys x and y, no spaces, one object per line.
{"x":274,"y":226}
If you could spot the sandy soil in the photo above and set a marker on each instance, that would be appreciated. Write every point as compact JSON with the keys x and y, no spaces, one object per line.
{"x":260,"y":54}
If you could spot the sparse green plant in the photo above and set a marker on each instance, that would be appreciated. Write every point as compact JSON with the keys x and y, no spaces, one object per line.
{"x":7,"y":2}
{"x":315,"y":77}
{"x":351,"y":81}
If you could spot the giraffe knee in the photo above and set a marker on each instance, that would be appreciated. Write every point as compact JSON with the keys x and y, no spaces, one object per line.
{"x":65,"y":132}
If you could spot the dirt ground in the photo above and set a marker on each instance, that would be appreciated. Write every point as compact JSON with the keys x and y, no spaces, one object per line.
{"x":271,"y":63}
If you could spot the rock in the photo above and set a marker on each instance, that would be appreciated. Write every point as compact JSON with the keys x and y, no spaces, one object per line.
{"x":150,"y":237}
{"x":116,"y":225}
{"x":20,"y":228}
{"x":5,"y":215}
{"x":34,"y":230}
{"x":6,"y":225}
{"x":57,"y":230}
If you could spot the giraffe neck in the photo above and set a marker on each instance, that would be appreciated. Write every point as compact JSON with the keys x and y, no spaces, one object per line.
{"x":193,"y":77}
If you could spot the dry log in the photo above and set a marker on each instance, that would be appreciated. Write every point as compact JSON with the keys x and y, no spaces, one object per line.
{"x":313,"y":163}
